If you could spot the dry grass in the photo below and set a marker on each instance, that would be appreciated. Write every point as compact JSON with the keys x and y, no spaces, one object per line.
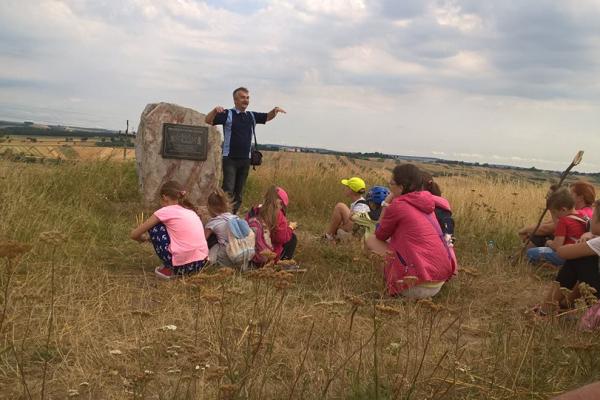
{"x":327,"y":333}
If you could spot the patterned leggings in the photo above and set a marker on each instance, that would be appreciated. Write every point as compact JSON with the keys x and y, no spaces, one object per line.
{"x":161,"y":240}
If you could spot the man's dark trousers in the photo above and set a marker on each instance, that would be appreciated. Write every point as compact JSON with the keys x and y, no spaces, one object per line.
{"x":235,"y":173}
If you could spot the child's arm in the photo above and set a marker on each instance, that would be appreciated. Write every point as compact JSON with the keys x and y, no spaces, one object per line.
{"x":557,"y":243}
{"x":578,"y":250}
{"x":138,"y":233}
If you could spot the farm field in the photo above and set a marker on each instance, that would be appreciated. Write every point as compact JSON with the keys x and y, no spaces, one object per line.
{"x":45,"y":148}
{"x":83,"y":315}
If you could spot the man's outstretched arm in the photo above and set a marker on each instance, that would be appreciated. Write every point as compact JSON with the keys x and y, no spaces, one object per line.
{"x":210,"y":117}
{"x":273,"y":113}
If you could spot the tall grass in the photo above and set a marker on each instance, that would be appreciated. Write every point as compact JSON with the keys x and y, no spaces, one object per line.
{"x":103,"y":327}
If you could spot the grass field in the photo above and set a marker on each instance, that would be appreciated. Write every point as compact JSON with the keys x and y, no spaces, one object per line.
{"x":82,"y":314}
{"x":46,"y":148}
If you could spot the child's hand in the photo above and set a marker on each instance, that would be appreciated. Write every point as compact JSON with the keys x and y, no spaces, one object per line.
{"x":293,"y":225}
{"x":550,"y":243}
{"x":144,"y":238}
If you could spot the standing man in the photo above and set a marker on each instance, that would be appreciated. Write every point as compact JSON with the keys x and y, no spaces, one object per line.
{"x":238,"y":128}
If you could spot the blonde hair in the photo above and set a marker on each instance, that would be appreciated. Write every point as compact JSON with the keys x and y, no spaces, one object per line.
{"x":218,"y":202}
{"x":268,"y":210}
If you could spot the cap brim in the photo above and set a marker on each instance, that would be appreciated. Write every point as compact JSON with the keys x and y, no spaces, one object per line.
{"x":345,"y":182}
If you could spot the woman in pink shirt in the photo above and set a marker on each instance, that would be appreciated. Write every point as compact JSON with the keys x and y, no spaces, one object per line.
{"x":419,"y":259}
{"x":176,"y":232}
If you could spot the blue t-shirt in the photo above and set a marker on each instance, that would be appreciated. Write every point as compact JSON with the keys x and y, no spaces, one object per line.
{"x":237,"y":131}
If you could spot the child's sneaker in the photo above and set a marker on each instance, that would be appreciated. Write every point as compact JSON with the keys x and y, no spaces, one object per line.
{"x":163,"y":272}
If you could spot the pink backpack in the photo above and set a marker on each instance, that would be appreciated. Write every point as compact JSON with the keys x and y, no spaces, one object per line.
{"x":262,"y":239}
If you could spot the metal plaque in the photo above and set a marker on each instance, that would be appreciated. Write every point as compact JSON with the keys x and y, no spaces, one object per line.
{"x":187,"y":142}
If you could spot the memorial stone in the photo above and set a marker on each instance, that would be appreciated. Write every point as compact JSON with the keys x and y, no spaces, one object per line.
{"x":174,"y":143}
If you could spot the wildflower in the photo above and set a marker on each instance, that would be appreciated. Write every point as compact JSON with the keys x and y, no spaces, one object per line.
{"x":12,"y":249}
{"x":281,"y":285}
{"x":387,"y":309}
{"x":169,"y":328}
{"x":52,"y":237}
{"x":211,"y":297}
{"x":354,"y":300}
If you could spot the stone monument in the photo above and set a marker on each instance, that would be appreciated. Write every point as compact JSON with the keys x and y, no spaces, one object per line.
{"x":174,"y":143}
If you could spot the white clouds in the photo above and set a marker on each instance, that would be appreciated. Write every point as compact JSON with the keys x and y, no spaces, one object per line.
{"x":453,"y":77}
{"x":371,"y":60}
{"x":450,"y":14}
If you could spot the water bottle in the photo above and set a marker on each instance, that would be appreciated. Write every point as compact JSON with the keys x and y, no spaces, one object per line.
{"x":491,"y":246}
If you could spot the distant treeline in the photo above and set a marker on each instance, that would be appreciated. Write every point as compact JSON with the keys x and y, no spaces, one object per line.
{"x":53,"y":132}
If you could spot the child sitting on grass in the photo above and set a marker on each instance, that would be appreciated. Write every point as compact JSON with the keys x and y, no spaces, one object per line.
{"x":272,"y":214}
{"x":581,"y":266}
{"x":176,"y":232}
{"x":366,"y":222}
{"x":340,"y":225}
{"x":219,"y":208}
{"x":569,"y":227}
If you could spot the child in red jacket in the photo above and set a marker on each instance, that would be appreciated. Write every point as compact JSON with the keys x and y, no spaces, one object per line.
{"x":272,"y":214}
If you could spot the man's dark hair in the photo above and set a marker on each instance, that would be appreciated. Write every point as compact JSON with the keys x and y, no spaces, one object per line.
{"x":240,"y":89}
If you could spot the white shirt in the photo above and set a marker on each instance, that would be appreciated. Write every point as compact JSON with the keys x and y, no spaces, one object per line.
{"x":357,"y":207}
{"x":219,"y":227}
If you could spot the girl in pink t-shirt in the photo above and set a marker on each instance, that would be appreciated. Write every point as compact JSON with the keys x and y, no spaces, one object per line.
{"x":176,"y":232}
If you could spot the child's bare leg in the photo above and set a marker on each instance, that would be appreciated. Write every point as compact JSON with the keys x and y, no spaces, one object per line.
{"x":340,"y":218}
{"x":378,"y":247}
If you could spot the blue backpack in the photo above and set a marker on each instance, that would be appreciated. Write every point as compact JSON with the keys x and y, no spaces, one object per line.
{"x":240,"y":242}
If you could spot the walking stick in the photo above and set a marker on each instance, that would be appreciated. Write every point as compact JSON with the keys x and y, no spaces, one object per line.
{"x":576,"y":160}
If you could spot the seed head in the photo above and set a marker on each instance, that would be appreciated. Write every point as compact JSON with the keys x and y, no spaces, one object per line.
{"x":354,"y":300}
{"x":387,"y":309}
{"x":52,"y":237}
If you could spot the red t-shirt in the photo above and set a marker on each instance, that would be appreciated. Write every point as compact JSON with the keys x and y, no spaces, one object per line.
{"x":570,"y":228}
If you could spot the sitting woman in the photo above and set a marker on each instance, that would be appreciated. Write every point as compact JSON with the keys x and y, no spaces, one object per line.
{"x":341,"y":225}
{"x":419,"y":258}
{"x":272,"y":214}
{"x":581,"y":265}
{"x":584,"y":196}
{"x":176,"y":232}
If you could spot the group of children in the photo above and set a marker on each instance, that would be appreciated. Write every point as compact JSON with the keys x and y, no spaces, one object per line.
{"x":568,"y":242}
{"x":409,"y":224}
{"x":185,"y":245}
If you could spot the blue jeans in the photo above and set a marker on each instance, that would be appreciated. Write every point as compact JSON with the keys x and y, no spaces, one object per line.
{"x":541,"y":254}
{"x":235,"y":173}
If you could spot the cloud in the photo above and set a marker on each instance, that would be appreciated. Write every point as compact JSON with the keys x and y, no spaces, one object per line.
{"x":467,"y":77}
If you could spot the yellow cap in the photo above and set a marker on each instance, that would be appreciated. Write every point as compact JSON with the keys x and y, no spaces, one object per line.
{"x":354,"y":183}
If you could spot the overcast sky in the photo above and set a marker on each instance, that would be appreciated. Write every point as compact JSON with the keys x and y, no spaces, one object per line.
{"x":515,"y":82}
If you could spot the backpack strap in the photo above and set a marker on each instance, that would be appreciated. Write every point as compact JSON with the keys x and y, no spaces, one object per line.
{"x":254,"y":129}
{"x":584,"y":220}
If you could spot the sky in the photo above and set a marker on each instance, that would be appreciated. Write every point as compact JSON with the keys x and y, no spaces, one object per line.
{"x":505,"y":82}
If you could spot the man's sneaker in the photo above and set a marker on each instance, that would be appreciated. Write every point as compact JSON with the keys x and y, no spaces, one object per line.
{"x":163,"y":272}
